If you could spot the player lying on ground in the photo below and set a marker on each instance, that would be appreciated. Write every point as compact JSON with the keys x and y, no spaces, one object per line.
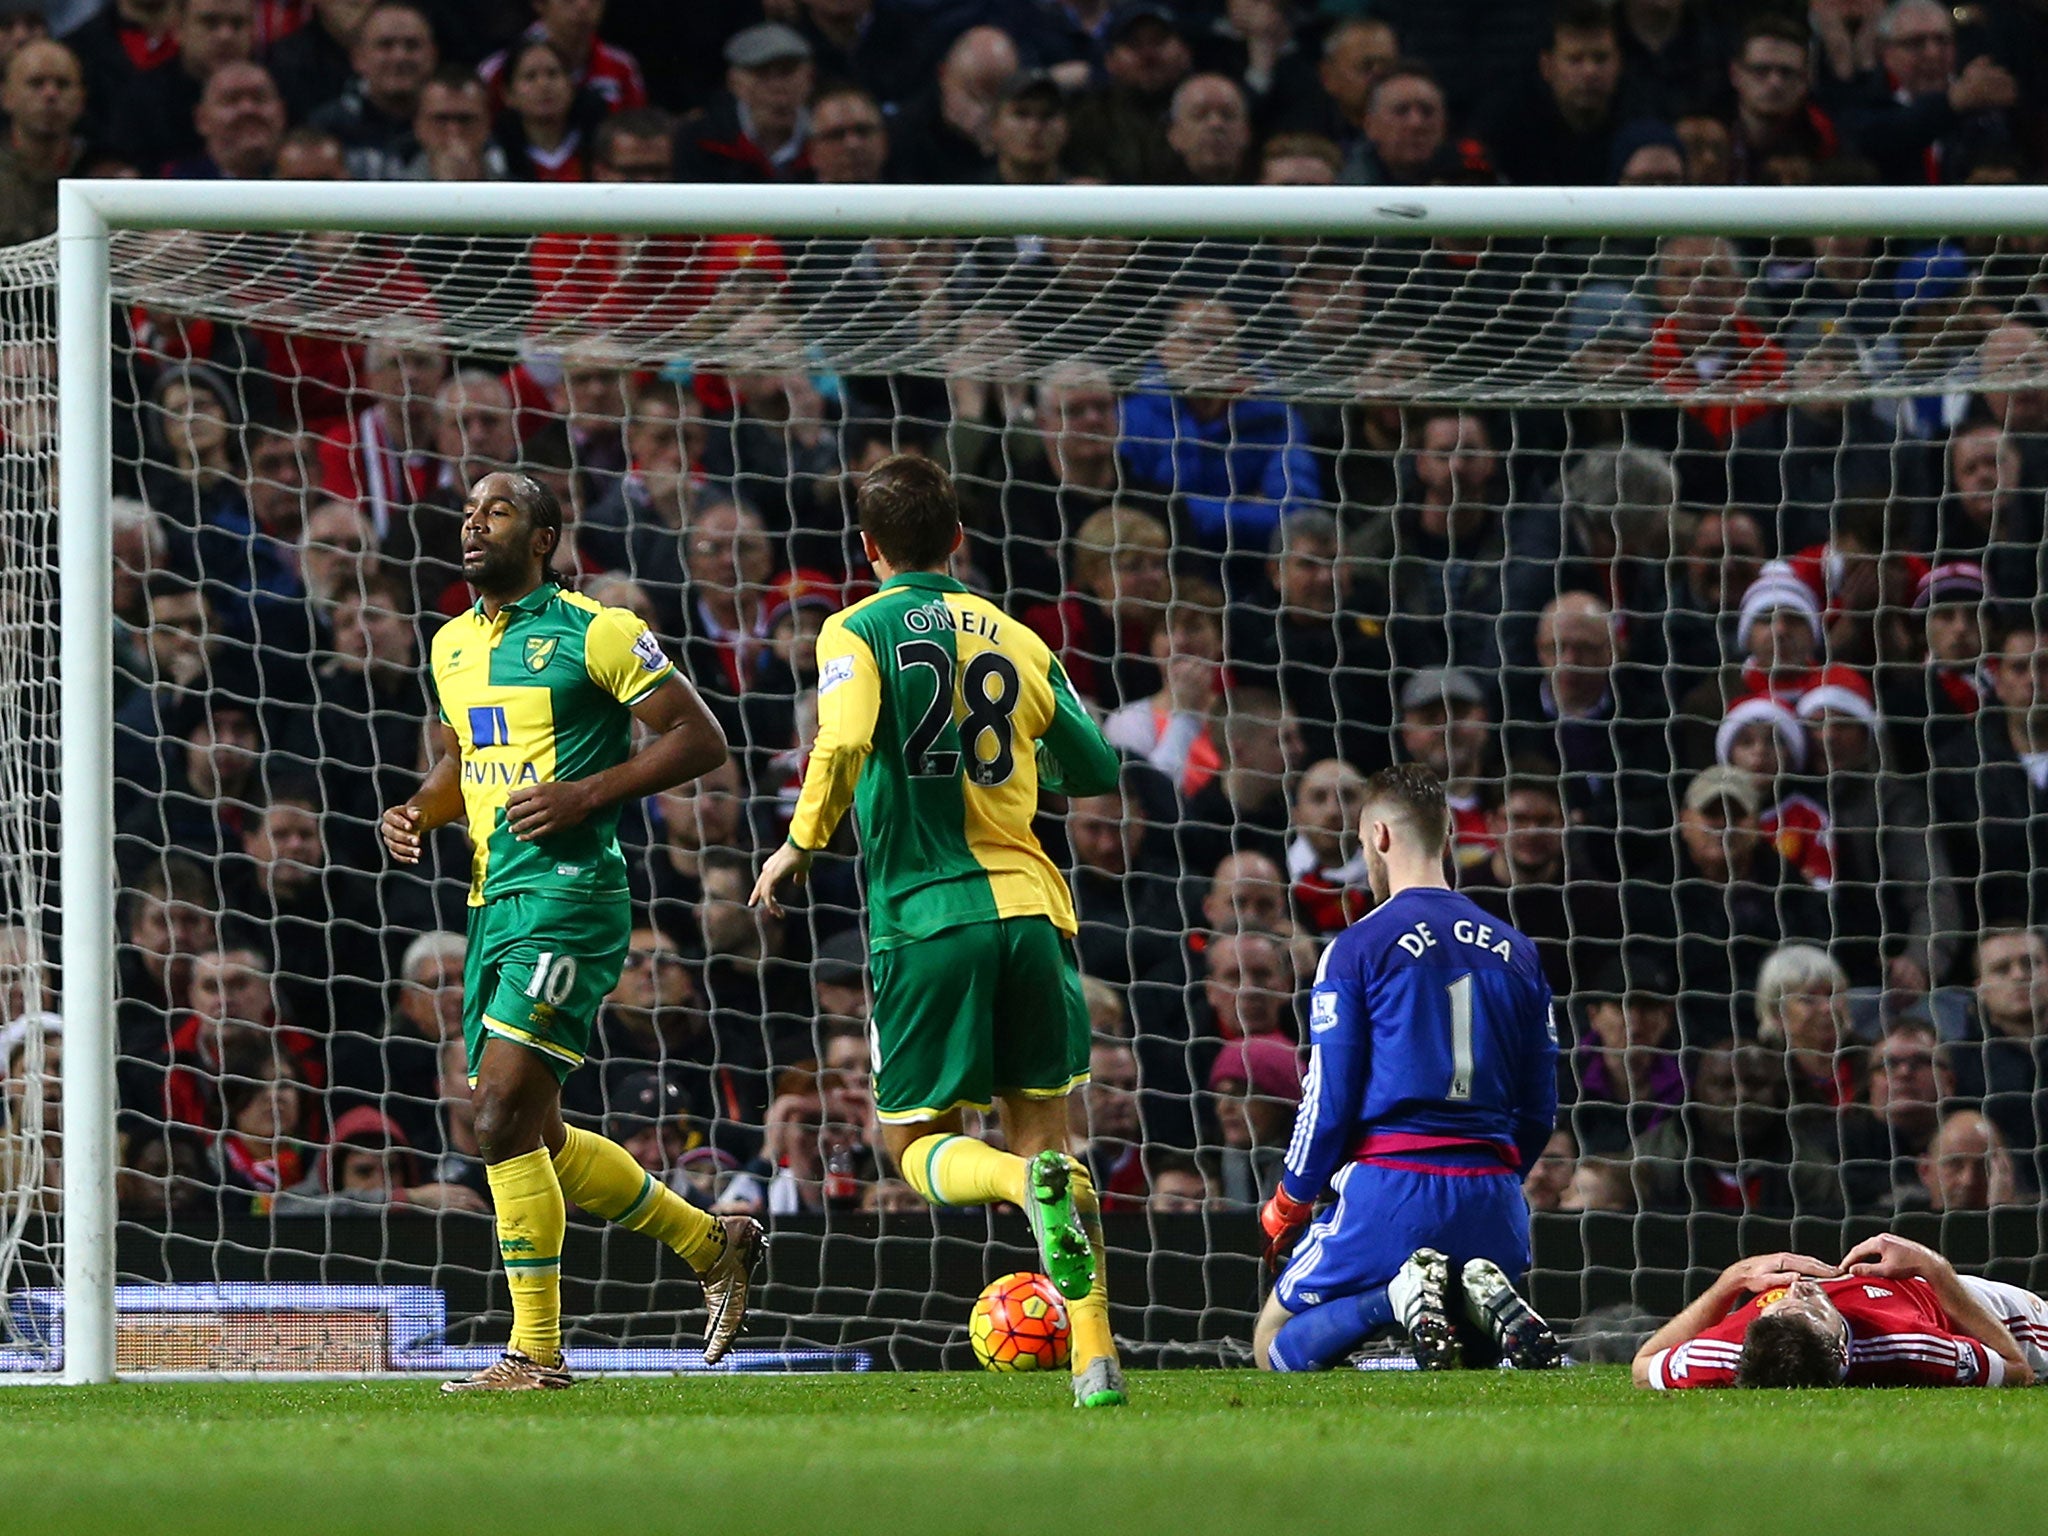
{"x":539,"y":689}
{"x":1892,"y":1314}
{"x":940,"y":718}
{"x":1432,"y":1089}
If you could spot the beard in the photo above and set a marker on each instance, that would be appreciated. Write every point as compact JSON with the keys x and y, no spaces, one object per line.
{"x":494,"y":569}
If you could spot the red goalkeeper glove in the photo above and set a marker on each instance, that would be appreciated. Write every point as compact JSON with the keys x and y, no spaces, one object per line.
{"x":1283,"y":1218}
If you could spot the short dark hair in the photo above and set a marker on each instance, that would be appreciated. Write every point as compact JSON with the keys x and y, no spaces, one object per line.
{"x":729,"y":861}
{"x":1417,"y":796}
{"x":1779,"y":29}
{"x":530,"y":494}
{"x":852,"y":90}
{"x":1306,"y":146}
{"x":1531,"y":775}
{"x":1787,"y":1353}
{"x":633,"y":123}
{"x":1580,"y":16}
{"x":453,"y":77}
{"x":907,"y":506}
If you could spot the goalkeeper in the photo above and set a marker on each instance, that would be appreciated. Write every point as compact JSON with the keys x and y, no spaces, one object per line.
{"x":539,"y":691}
{"x":940,"y":717}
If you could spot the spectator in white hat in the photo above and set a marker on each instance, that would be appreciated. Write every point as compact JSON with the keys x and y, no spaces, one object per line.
{"x":1779,"y":630}
{"x":1765,"y":738}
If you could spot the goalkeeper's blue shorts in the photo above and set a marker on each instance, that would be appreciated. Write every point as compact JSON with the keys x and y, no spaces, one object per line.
{"x":1382,"y":1215}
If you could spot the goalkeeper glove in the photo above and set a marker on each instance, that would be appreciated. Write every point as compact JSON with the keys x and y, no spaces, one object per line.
{"x":1283,"y":1218}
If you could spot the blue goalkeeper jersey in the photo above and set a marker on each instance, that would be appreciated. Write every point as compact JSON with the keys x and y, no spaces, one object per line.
{"x":1431,"y":1043}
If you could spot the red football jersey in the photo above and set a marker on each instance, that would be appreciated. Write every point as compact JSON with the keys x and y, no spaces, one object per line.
{"x":1898,"y":1337}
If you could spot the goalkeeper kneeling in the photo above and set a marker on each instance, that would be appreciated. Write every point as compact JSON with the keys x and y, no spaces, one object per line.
{"x":1431,"y":1089}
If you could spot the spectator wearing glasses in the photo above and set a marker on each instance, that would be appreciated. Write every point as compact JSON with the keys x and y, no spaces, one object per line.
{"x":1775,"y":115}
{"x":1904,"y":1091}
{"x":1913,"y":113}
{"x":849,"y":137}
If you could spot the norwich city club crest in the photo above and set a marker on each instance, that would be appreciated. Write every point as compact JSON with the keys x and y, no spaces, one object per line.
{"x":539,"y":652}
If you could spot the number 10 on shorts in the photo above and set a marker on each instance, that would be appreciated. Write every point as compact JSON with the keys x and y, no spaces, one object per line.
{"x":554,"y":978}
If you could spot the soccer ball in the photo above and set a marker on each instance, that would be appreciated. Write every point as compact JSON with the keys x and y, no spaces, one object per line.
{"x":1019,"y":1323}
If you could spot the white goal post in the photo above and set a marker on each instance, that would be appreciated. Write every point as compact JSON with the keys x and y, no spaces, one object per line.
{"x":90,"y":212}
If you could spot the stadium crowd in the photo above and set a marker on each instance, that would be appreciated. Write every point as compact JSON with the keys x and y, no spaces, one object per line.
{"x":1742,"y":704}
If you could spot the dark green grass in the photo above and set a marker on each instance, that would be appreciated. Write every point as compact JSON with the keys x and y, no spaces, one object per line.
{"x":1230,"y":1452}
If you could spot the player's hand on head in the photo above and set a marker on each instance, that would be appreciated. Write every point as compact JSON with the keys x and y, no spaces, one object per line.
{"x":400,"y":828}
{"x":1769,"y":1271}
{"x":1889,"y":1256}
{"x":542,"y":810}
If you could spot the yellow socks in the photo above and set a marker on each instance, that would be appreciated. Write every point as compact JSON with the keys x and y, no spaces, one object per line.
{"x":602,"y":1177}
{"x":959,"y":1170}
{"x":530,"y":1222}
{"x":1090,"y":1315}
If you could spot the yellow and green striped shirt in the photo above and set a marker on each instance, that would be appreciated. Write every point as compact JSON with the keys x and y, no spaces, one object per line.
{"x":940,"y":718}
{"x":544,"y":691}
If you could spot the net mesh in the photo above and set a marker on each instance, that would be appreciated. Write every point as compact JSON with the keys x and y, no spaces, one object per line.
{"x":1574,"y":521}
{"x":31,"y":1127}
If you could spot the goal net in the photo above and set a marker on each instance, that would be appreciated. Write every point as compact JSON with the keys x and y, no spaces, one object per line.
{"x":1704,"y":570}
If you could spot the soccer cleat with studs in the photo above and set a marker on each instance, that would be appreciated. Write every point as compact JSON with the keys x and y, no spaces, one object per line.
{"x":1049,"y":1205}
{"x":727,"y":1284}
{"x":513,"y":1372}
{"x":1100,"y":1384}
{"x":1491,"y":1301}
{"x":1420,"y":1293}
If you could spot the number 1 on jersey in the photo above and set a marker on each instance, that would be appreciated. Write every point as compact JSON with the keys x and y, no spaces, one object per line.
{"x":1461,"y":1038}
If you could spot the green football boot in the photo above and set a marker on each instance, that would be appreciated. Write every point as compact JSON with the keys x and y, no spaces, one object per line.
{"x":1100,"y":1385}
{"x":1049,"y":1203}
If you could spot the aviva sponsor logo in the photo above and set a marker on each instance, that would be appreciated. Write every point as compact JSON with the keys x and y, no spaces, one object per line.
{"x":539,"y":652}
{"x":499,"y":775}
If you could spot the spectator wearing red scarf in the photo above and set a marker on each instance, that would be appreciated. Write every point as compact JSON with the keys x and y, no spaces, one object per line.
{"x":1705,"y":344}
{"x":585,"y":282}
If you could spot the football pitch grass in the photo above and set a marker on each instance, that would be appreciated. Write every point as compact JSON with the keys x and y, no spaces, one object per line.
{"x":1211,"y":1451}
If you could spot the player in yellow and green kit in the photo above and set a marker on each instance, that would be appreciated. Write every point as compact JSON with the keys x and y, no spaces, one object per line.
{"x":539,"y":691}
{"x":940,"y":718}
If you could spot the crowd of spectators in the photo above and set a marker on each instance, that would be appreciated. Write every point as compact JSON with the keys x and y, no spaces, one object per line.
{"x":1742,"y":706}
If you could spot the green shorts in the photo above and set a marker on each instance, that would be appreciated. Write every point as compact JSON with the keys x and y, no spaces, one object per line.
{"x":978,"y":1011}
{"x":537,"y":971}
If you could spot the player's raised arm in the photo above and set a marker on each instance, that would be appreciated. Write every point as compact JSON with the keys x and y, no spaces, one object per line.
{"x":1074,"y":757}
{"x":849,"y":703}
{"x":434,"y":804}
